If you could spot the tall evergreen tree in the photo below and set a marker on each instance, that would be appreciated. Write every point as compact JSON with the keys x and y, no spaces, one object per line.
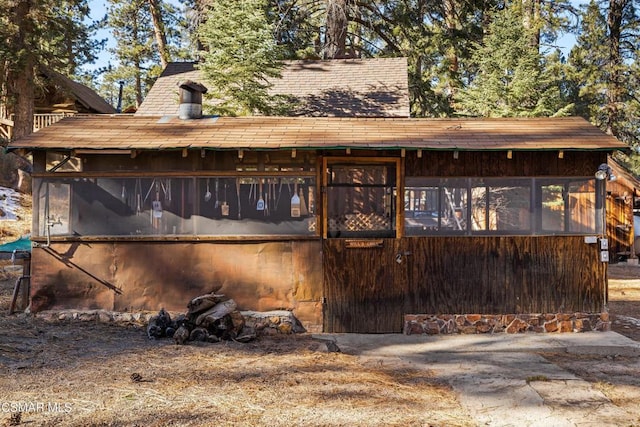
{"x":159,"y":31}
{"x":147,"y":37}
{"x":296,"y":30}
{"x":131,"y":26}
{"x":544,"y":18}
{"x":587,"y":61}
{"x":336,"y":23}
{"x":603,"y":62}
{"x":623,"y":22}
{"x":510,"y":79}
{"x":240,"y":57}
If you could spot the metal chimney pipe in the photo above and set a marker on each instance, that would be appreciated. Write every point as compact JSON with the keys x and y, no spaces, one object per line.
{"x":190,"y":100}
{"x":119,"y":107}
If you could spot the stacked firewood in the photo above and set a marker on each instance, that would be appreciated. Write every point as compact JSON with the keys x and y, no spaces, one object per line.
{"x":211,"y":318}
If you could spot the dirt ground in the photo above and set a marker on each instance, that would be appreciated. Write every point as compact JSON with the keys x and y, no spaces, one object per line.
{"x":618,"y":376}
{"x":83,"y":374}
{"x":80,"y":374}
{"x":624,"y":299}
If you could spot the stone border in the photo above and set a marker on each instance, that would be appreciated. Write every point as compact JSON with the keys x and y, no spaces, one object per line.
{"x":436,"y":324}
{"x":264,"y":323}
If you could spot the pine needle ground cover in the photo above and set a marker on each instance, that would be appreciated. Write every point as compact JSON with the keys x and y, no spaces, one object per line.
{"x":73,"y":373}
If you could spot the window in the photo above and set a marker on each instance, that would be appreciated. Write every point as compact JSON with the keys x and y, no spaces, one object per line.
{"x":567,"y":206}
{"x":499,"y":206}
{"x":435,"y":206}
{"x":360,"y":200}
{"x":553,"y":207}
{"x":53,"y":208}
{"x":168,"y":206}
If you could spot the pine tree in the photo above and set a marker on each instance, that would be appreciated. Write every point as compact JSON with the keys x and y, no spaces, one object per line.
{"x":603,"y":62}
{"x":159,"y":31}
{"x":510,"y":79}
{"x":138,"y":59}
{"x":587,"y":61}
{"x":240,"y":57}
{"x":604,"y":70}
{"x":296,"y":30}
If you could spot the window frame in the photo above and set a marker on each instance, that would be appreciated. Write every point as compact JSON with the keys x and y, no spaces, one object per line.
{"x":44,"y":179}
{"x":397,"y":227}
{"x":535,"y":212}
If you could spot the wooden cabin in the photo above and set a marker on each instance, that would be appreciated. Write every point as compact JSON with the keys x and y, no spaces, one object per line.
{"x":357,"y":219}
{"x":57,"y":97}
{"x":622,"y":196}
{"x":61,"y":95}
{"x":355,"y":224}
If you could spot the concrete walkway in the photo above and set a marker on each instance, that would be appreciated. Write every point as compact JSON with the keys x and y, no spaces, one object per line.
{"x":501,"y":380}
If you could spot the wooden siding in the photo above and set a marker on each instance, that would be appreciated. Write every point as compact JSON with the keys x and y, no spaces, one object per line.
{"x":368,"y":291}
{"x":195,"y":162}
{"x":621,"y":194}
{"x":496,"y":163}
{"x":364,"y":287}
{"x":620,"y":231}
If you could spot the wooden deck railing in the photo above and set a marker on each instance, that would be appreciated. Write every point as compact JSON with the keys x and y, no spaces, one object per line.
{"x":43,"y":120}
{"x":39,"y":121}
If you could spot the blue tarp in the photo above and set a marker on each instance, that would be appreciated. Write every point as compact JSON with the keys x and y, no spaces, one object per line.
{"x":23,"y":244}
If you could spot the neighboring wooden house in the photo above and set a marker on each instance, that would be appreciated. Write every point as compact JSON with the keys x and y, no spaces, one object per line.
{"x":57,"y":98}
{"x":622,"y":194}
{"x":63,"y":95}
{"x":356,"y":224}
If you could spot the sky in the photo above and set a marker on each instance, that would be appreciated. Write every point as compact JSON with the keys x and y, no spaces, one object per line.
{"x":98,"y":11}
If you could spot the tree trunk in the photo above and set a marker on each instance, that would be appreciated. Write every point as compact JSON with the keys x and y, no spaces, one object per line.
{"x":336,"y":29}
{"x":137,"y":63}
{"x":4,"y":69}
{"x":531,"y":20}
{"x":21,"y":87}
{"x":614,"y":95}
{"x":451,"y":24}
{"x":158,"y":29}
{"x":20,"y":79}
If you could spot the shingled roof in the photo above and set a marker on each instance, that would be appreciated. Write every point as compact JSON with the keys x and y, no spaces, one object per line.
{"x":376,"y":87}
{"x":83,"y":95}
{"x":259,"y":133}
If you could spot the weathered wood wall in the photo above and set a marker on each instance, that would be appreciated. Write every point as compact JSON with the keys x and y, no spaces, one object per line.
{"x":620,"y":197}
{"x":368,"y":291}
{"x":496,"y":163}
{"x":124,"y":276}
{"x":365,"y":288}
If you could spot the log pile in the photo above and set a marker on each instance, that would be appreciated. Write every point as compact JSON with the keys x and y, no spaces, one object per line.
{"x":210,"y":318}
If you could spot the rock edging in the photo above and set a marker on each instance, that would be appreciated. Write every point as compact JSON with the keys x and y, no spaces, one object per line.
{"x":264,"y":323}
{"x":436,"y":324}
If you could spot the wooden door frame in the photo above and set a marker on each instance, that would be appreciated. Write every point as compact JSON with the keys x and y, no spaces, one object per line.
{"x":355,"y":161}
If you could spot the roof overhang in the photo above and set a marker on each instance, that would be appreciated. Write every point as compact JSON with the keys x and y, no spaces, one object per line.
{"x":122,"y":133}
